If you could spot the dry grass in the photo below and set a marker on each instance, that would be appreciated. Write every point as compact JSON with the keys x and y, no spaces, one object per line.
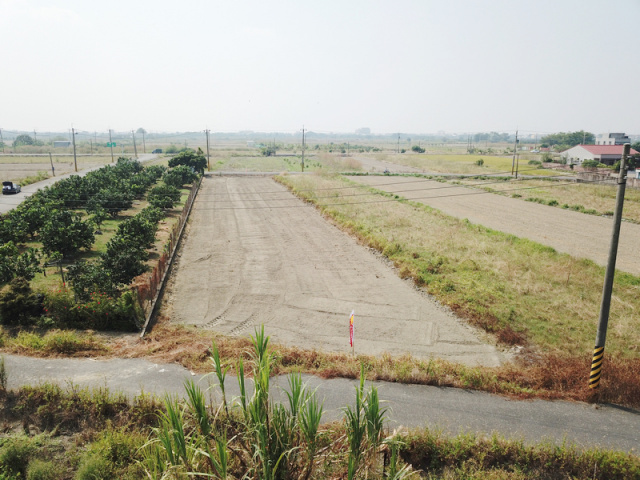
{"x":461,"y":163}
{"x":600,"y":198}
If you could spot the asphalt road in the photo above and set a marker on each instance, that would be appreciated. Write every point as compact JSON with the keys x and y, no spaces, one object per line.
{"x":9,"y":202}
{"x":452,"y":410}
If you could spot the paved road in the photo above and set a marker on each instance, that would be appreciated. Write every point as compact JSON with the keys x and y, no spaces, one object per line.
{"x":9,"y":202}
{"x":579,"y":235}
{"x":452,"y":410}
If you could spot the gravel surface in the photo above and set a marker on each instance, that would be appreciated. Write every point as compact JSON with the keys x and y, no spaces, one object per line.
{"x":255,"y":254}
{"x":578,"y":234}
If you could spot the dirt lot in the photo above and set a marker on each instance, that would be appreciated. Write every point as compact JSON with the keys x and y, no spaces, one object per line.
{"x":580,"y":235}
{"x":254,"y":254}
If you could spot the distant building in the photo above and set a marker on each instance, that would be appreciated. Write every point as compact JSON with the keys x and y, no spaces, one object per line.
{"x":363,"y":131}
{"x":607,"y":154}
{"x":61,"y":143}
{"x":612,"y":139}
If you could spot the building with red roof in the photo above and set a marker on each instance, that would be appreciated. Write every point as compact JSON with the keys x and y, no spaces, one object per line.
{"x":607,"y":154}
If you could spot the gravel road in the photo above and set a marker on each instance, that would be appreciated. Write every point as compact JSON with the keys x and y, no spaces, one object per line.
{"x":255,"y":254}
{"x":578,"y":234}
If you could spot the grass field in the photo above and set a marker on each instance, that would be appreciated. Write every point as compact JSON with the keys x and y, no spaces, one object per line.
{"x":462,"y":163}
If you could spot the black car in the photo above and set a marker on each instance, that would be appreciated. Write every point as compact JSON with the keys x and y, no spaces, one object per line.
{"x":157,"y":150}
{"x":10,"y":187}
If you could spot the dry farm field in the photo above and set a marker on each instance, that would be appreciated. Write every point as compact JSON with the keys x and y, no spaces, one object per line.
{"x":18,"y":168}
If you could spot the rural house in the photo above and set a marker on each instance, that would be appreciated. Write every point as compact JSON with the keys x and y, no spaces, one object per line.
{"x":607,"y":154}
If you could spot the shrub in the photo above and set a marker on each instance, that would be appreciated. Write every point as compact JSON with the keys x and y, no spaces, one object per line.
{"x":94,"y":468}
{"x":88,"y":277}
{"x":18,"y":304}
{"x":15,"y":454}
{"x":101,"y":312}
{"x":44,"y":470}
{"x":592,"y":164}
{"x":480,"y":162}
{"x":417,"y":149}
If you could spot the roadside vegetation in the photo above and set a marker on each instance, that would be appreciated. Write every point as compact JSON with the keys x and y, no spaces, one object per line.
{"x":87,"y":434}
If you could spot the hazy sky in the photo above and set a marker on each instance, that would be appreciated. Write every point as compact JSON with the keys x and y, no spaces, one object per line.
{"x":414,"y":66}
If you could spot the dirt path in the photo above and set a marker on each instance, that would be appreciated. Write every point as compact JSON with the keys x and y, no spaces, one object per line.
{"x":578,"y":234}
{"x":255,"y":254}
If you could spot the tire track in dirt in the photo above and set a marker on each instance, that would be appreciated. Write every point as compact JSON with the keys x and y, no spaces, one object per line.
{"x":246,"y":261}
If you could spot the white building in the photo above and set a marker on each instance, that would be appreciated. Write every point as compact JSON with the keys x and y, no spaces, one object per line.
{"x":612,"y":139}
{"x":607,"y":154}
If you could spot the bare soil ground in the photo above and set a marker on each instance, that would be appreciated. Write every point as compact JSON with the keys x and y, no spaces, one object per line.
{"x":255,"y":254}
{"x":580,"y":235}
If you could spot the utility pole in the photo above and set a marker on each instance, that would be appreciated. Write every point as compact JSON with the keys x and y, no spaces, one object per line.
{"x":208,"y":157}
{"x":90,"y":146}
{"x":111,"y":146}
{"x":302,"y":163}
{"x":398,"y":143}
{"x":515,"y":149}
{"x":598,"y":351}
{"x":35,"y":137}
{"x":135,"y":149}
{"x":144,"y":144}
{"x":1,"y":140}
{"x":73,"y":139}
{"x":53,"y":170}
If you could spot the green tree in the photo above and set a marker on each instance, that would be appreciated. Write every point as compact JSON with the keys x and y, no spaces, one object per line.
{"x":417,"y":149}
{"x":164,"y":196}
{"x":123,"y":260}
{"x":568,"y":139}
{"x":191,"y":159}
{"x":111,"y":200}
{"x":139,"y":230}
{"x":14,"y":264}
{"x":22,"y":140}
{"x":178,"y":176}
{"x":66,"y":233}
